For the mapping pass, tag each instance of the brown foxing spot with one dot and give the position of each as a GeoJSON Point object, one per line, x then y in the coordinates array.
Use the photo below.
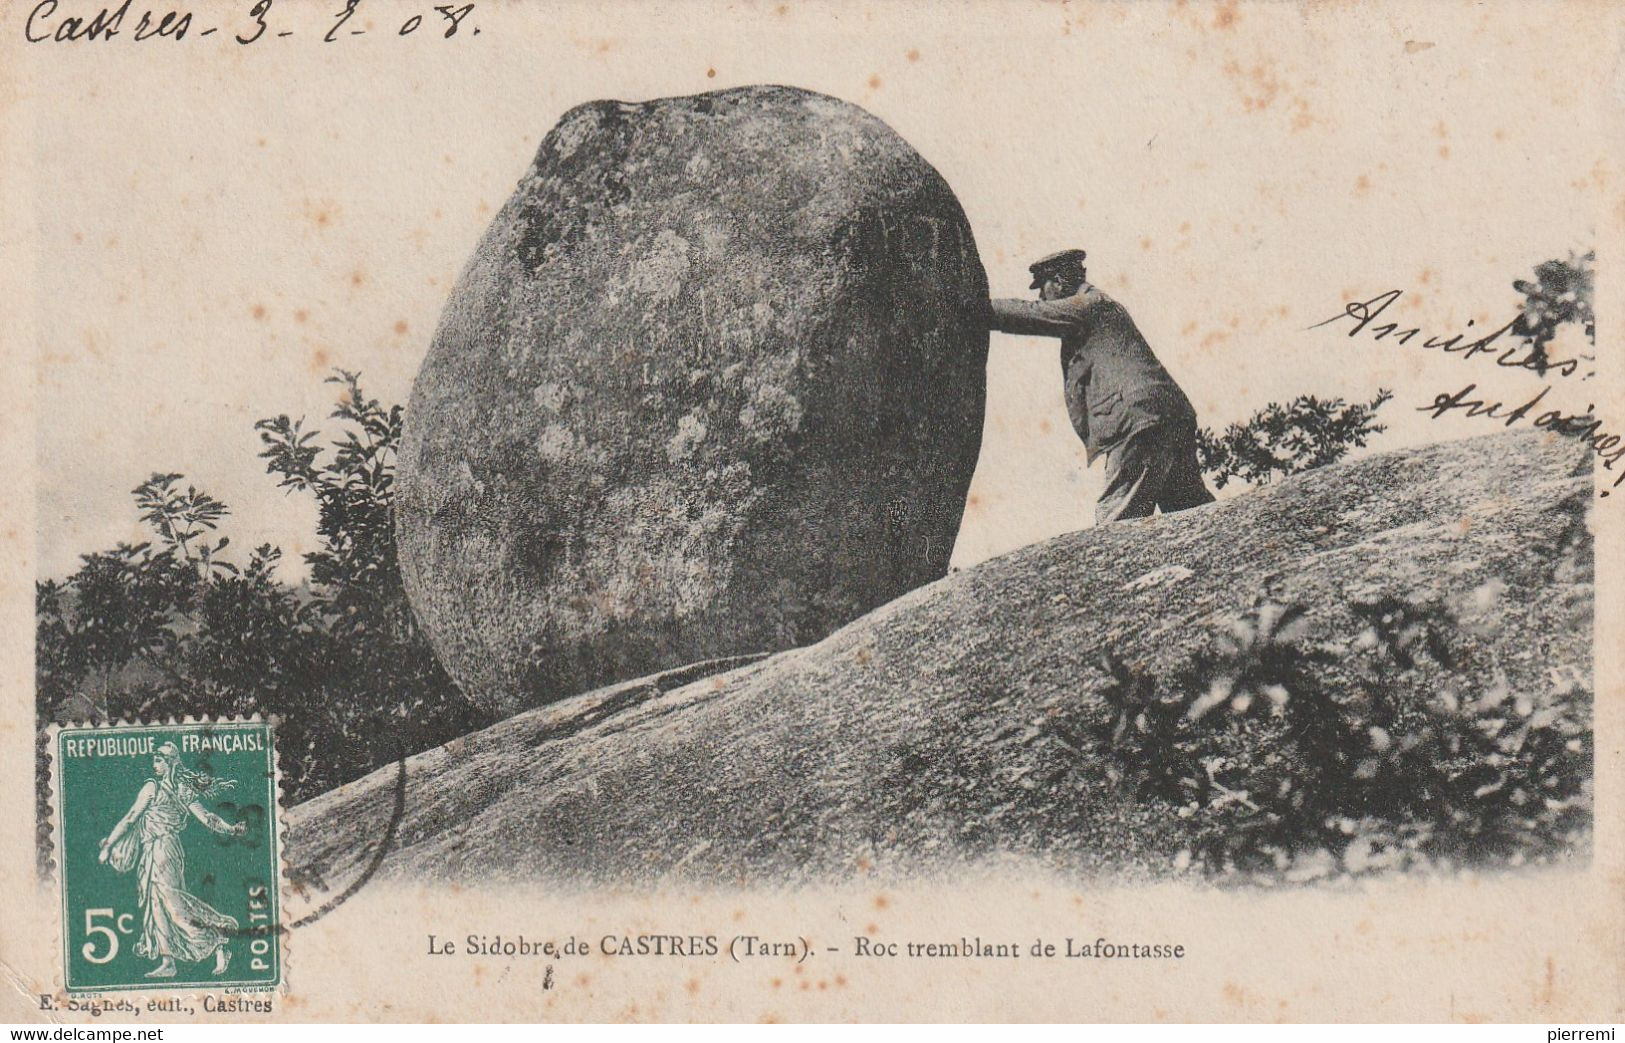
{"type": "Point", "coordinates": [1227, 16]}
{"type": "Point", "coordinates": [1417, 46]}
{"type": "Point", "coordinates": [400, 327]}
{"type": "Point", "coordinates": [710, 74]}
{"type": "Point", "coordinates": [870, 928]}
{"type": "Point", "coordinates": [258, 311]}
{"type": "Point", "coordinates": [1444, 151]}
{"type": "Point", "coordinates": [874, 82]}
{"type": "Point", "coordinates": [357, 277]}
{"type": "Point", "coordinates": [319, 360]}
{"type": "Point", "coordinates": [693, 986]}
{"type": "Point", "coordinates": [913, 55]}
{"type": "Point", "coordinates": [301, 315]}
{"type": "Point", "coordinates": [778, 983]}
{"type": "Point", "coordinates": [1362, 185]}
{"type": "Point", "coordinates": [881, 901]}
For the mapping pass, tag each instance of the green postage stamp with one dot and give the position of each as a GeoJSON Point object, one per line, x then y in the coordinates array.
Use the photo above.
{"type": "Point", "coordinates": [167, 856]}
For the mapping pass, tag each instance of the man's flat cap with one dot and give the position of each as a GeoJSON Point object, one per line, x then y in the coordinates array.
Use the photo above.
{"type": "Point", "coordinates": [1060, 259]}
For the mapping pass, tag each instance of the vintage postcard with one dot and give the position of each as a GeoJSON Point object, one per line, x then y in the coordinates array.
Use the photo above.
{"type": "Point", "coordinates": [812, 511]}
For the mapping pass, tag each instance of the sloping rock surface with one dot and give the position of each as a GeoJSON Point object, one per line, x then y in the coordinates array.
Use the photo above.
{"type": "Point", "coordinates": [712, 384]}
{"type": "Point", "coordinates": [902, 743]}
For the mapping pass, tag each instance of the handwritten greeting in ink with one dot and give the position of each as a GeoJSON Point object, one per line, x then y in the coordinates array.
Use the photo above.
{"type": "Point", "coordinates": [1491, 348]}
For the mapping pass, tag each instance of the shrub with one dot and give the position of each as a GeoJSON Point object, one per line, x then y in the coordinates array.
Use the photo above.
{"type": "Point", "coordinates": [1305, 433]}
{"type": "Point", "coordinates": [1563, 292]}
{"type": "Point", "coordinates": [1284, 773]}
{"type": "Point", "coordinates": [172, 627]}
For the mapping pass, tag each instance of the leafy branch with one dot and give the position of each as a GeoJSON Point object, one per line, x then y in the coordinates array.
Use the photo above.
{"type": "Point", "coordinates": [1305, 433]}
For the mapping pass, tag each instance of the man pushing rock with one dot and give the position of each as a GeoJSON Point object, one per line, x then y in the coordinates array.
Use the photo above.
{"type": "Point", "coordinates": [1121, 401]}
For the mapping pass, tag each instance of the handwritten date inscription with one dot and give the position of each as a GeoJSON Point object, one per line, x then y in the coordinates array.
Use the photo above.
{"type": "Point", "coordinates": [51, 22]}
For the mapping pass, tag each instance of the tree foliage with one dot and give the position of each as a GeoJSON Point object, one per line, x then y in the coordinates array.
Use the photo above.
{"type": "Point", "coordinates": [171, 627]}
{"type": "Point", "coordinates": [1305, 433]}
{"type": "Point", "coordinates": [1563, 293]}
{"type": "Point", "coordinates": [1428, 759]}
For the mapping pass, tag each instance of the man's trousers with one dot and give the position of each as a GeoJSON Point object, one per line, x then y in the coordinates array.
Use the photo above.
{"type": "Point", "coordinates": [1154, 467]}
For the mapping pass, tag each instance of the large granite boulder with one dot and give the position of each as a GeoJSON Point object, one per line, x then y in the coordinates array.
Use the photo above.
{"type": "Point", "coordinates": [712, 384]}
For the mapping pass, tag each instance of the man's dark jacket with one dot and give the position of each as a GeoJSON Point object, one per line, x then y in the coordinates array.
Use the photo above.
{"type": "Point", "coordinates": [1114, 384]}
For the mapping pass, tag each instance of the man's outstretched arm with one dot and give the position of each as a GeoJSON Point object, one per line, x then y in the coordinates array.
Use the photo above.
{"type": "Point", "coordinates": [1038, 318]}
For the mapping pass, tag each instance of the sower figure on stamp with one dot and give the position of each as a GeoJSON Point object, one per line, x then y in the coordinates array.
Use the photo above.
{"type": "Point", "coordinates": [1121, 401]}
{"type": "Point", "coordinates": [175, 924]}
